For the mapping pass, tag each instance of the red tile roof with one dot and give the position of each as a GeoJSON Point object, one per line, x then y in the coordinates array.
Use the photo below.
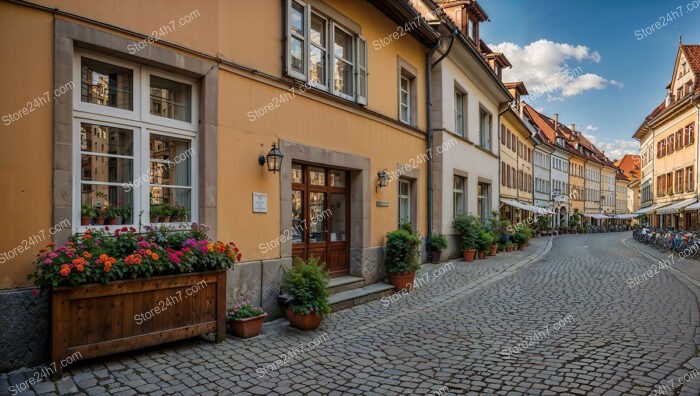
{"type": "Point", "coordinates": [692, 54]}
{"type": "Point", "coordinates": [630, 165]}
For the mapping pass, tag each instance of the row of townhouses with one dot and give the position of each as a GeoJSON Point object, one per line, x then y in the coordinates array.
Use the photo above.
{"type": "Point", "coordinates": [668, 188]}
{"type": "Point", "coordinates": [329, 125]}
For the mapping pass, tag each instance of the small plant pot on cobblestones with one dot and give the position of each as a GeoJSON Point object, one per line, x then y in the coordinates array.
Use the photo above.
{"type": "Point", "coordinates": [469, 254]}
{"type": "Point", "coordinates": [401, 258]}
{"type": "Point", "coordinates": [482, 255]}
{"type": "Point", "coordinates": [401, 280]}
{"type": "Point", "coordinates": [494, 250]}
{"type": "Point", "coordinates": [245, 320]}
{"type": "Point", "coordinates": [301, 321]}
{"type": "Point", "coordinates": [304, 293]}
{"type": "Point", "coordinates": [438, 243]}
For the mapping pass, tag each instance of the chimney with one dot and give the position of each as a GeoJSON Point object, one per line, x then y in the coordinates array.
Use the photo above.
{"type": "Point", "coordinates": [573, 127]}
{"type": "Point", "coordinates": [520, 107]}
{"type": "Point", "coordinates": [556, 121]}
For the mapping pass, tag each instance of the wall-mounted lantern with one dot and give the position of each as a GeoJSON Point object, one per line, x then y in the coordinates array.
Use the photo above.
{"type": "Point", "coordinates": [273, 159]}
{"type": "Point", "coordinates": [382, 179]}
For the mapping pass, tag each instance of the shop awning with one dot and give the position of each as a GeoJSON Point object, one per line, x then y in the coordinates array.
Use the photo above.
{"type": "Point", "coordinates": [625, 216]}
{"type": "Point", "coordinates": [694, 206]}
{"type": "Point", "coordinates": [524, 206]}
{"type": "Point", "coordinates": [597, 216]}
{"type": "Point", "coordinates": [650, 208]}
{"type": "Point", "coordinates": [676, 206]}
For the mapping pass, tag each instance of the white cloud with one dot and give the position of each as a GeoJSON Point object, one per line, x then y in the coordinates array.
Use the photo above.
{"type": "Point", "coordinates": [590, 128]}
{"type": "Point", "coordinates": [615, 148]}
{"type": "Point", "coordinates": [544, 68]}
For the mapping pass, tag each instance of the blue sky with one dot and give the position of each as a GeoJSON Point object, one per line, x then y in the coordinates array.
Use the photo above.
{"type": "Point", "coordinates": [592, 61]}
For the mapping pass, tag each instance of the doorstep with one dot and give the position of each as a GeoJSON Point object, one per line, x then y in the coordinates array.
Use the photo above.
{"type": "Point", "coordinates": [350, 298]}
{"type": "Point", "coordinates": [344, 283]}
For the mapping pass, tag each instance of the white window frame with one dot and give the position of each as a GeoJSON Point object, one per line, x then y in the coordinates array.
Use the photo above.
{"type": "Point", "coordinates": [485, 139]}
{"type": "Point", "coordinates": [325, 51]}
{"type": "Point", "coordinates": [361, 70]}
{"type": "Point", "coordinates": [146, 74]}
{"type": "Point", "coordinates": [79, 105]}
{"type": "Point", "coordinates": [407, 197]}
{"type": "Point", "coordinates": [351, 62]}
{"type": "Point", "coordinates": [142, 127]}
{"type": "Point", "coordinates": [459, 111]}
{"type": "Point", "coordinates": [463, 191]}
{"type": "Point", "coordinates": [407, 105]}
{"type": "Point", "coordinates": [305, 40]}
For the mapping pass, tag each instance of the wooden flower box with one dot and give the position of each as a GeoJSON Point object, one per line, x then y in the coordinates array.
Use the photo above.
{"type": "Point", "coordinates": [103, 319]}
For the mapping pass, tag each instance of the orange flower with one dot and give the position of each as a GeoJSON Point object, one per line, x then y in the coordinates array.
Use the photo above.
{"type": "Point", "coordinates": [87, 255]}
{"type": "Point", "coordinates": [154, 256]}
{"type": "Point", "coordinates": [65, 270]}
{"type": "Point", "coordinates": [78, 261]}
{"type": "Point", "coordinates": [104, 257]}
{"type": "Point", "coordinates": [111, 260]}
{"type": "Point", "coordinates": [52, 244]}
{"type": "Point", "coordinates": [80, 268]}
{"type": "Point", "coordinates": [148, 252]}
{"type": "Point", "coordinates": [87, 236]}
{"type": "Point", "coordinates": [42, 250]}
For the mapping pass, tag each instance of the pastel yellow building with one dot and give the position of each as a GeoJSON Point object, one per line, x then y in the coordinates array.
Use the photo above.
{"type": "Point", "coordinates": [196, 96]}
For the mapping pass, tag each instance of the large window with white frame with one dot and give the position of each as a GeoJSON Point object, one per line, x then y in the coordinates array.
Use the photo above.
{"type": "Point", "coordinates": [459, 112]}
{"type": "Point", "coordinates": [405, 99]}
{"type": "Point", "coordinates": [326, 54]}
{"type": "Point", "coordinates": [404, 201]}
{"type": "Point", "coordinates": [459, 195]}
{"type": "Point", "coordinates": [135, 164]}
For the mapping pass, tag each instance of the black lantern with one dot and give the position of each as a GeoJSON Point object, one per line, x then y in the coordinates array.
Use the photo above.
{"type": "Point", "coordinates": [382, 179]}
{"type": "Point", "coordinates": [273, 159]}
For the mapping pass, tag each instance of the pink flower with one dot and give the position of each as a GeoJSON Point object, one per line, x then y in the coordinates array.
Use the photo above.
{"type": "Point", "coordinates": [47, 261]}
{"type": "Point", "coordinates": [106, 228]}
{"type": "Point", "coordinates": [35, 292]}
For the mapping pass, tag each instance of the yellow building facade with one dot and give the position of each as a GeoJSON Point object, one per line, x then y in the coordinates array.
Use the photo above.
{"type": "Point", "coordinates": [195, 96]}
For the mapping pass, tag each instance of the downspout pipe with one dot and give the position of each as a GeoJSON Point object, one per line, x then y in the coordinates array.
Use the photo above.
{"type": "Point", "coordinates": [429, 65]}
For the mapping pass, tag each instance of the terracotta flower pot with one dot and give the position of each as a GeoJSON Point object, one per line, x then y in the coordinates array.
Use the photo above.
{"type": "Point", "coordinates": [154, 219]}
{"type": "Point", "coordinates": [494, 250]}
{"type": "Point", "coordinates": [303, 321]}
{"type": "Point", "coordinates": [112, 221]}
{"type": "Point", "coordinates": [248, 327]}
{"type": "Point", "coordinates": [85, 220]}
{"type": "Point", "coordinates": [521, 246]}
{"type": "Point", "coordinates": [469, 254]}
{"type": "Point", "coordinates": [436, 256]}
{"type": "Point", "coordinates": [165, 219]}
{"type": "Point", "coordinates": [100, 220]}
{"type": "Point", "coordinates": [401, 280]}
{"type": "Point", "coordinates": [482, 255]}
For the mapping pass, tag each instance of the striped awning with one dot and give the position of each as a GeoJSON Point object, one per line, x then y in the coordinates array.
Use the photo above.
{"type": "Point", "coordinates": [676, 206]}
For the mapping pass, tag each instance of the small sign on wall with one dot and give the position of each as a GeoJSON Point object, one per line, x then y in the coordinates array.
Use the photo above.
{"type": "Point", "coordinates": [259, 203]}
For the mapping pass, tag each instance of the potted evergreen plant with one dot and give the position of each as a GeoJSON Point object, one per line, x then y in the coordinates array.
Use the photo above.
{"type": "Point", "coordinates": [401, 258]}
{"type": "Point", "coordinates": [156, 213]}
{"type": "Point", "coordinates": [485, 241]}
{"type": "Point", "coordinates": [245, 320]}
{"type": "Point", "coordinates": [468, 227]}
{"type": "Point", "coordinates": [438, 243]}
{"type": "Point", "coordinates": [111, 213]}
{"type": "Point", "coordinates": [304, 293]}
{"type": "Point", "coordinates": [87, 212]}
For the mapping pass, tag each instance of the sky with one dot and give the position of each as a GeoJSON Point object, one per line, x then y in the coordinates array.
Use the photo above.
{"type": "Point", "coordinates": [601, 64]}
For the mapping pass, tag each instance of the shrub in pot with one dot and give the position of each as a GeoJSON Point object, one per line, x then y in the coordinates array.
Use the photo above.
{"type": "Point", "coordinates": [304, 293]}
{"type": "Point", "coordinates": [486, 239]}
{"type": "Point", "coordinates": [509, 246]}
{"type": "Point", "coordinates": [245, 320]}
{"type": "Point", "coordinates": [111, 213]}
{"type": "Point", "coordinates": [438, 243]}
{"type": "Point", "coordinates": [166, 213]}
{"type": "Point", "coordinates": [156, 213]}
{"type": "Point", "coordinates": [125, 213]}
{"type": "Point", "coordinates": [100, 213]}
{"type": "Point", "coordinates": [401, 258]}
{"type": "Point", "coordinates": [469, 228]}
{"type": "Point", "coordinates": [87, 212]}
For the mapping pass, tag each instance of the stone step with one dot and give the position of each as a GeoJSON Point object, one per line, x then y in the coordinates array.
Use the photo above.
{"type": "Point", "coordinates": [344, 283]}
{"type": "Point", "coordinates": [350, 298]}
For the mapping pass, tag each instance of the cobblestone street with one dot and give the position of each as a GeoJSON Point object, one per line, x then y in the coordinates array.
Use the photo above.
{"type": "Point", "coordinates": [557, 318]}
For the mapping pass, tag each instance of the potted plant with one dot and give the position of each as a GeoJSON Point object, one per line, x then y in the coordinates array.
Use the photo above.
{"type": "Point", "coordinates": [245, 320]}
{"type": "Point", "coordinates": [125, 213]}
{"type": "Point", "coordinates": [180, 213]}
{"type": "Point", "coordinates": [401, 258]}
{"type": "Point", "coordinates": [509, 246]}
{"type": "Point", "coordinates": [438, 243]}
{"type": "Point", "coordinates": [485, 241]}
{"type": "Point", "coordinates": [304, 293]}
{"type": "Point", "coordinates": [100, 213]}
{"type": "Point", "coordinates": [166, 213]}
{"type": "Point", "coordinates": [111, 213]}
{"type": "Point", "coordinates": [468, 227]}
{"type": "Point", "coordinates": [156, 213]}
{"type": "Point", "coordinates": [87, 212]}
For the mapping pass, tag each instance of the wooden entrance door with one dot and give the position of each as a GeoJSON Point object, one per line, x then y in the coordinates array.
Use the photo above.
{"type": "Point", "coordinates": [320, 213]}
